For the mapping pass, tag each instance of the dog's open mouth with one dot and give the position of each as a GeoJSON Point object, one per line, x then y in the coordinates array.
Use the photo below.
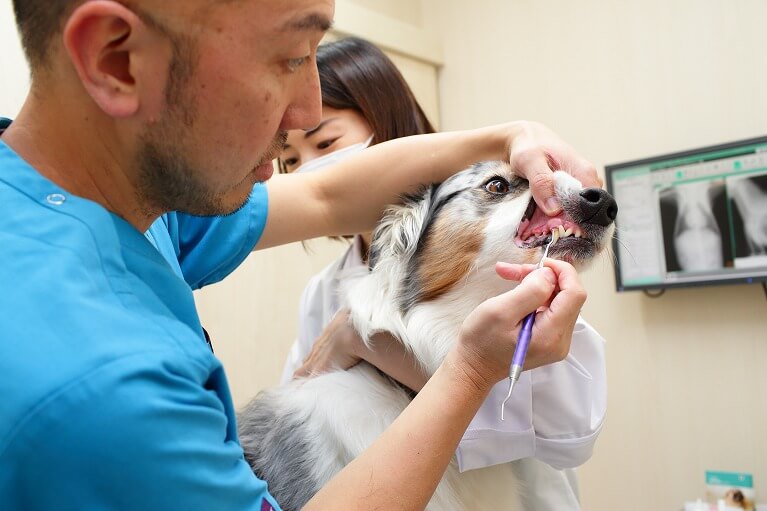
{"type": "Point", "coordinates": [536, 228]}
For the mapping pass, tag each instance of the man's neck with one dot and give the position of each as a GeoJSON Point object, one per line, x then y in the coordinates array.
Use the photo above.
{"type": "Point", "coordinates": [79, 153]}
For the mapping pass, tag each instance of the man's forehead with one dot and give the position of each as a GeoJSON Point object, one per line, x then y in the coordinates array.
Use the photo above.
{"type": "Point", "coordinates": [297, 15]}
{"type": "Point", "coordinates": [261, 15]}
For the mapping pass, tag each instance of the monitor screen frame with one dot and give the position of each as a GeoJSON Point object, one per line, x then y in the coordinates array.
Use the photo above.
{"type": "Point", "coordinates": [610, 171]}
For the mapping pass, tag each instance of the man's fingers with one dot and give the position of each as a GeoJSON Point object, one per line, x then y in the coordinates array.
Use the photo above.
{"type": "Point", "coordinates": [572, 294]}
{"type": "Point", "coordinates": [567, 275]}
{"type": "Point", "coordinates": [587, 174]}
{"type": "Point", "coordinates": [511, 271]}
{"type": "Point", "coordinates": [534, 166]}
{"type": "Point", "coordinates": [534, 291]}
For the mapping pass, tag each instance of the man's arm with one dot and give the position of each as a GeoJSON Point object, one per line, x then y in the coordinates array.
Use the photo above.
{"type": "Point", "coordinates": [350, 197]}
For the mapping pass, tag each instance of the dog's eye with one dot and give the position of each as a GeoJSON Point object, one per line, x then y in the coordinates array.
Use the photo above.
{"type": "Point", "coordinates": [497, 186]}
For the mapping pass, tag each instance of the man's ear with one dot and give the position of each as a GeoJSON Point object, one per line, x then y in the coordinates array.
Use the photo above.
{"type": "Point", "coordinates": [110, 48]}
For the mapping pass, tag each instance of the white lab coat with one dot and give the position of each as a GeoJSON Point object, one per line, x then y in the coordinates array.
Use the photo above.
{"type": "Point", "coordinates": [552, 419]}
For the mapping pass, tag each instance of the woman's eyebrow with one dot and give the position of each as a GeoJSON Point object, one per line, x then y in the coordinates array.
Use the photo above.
{"type": "Point", "coordinates": [309, 133]}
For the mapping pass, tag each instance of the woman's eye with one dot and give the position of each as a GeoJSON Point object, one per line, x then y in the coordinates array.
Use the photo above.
{"type": "Point", "coordinates": [290, 162]}
{"type": "Point", "coordinates": [326, 143]}
{"type": "Point", "coordinates": [295, 64]}
{"type": "Point", "coordinates": [497, 186]}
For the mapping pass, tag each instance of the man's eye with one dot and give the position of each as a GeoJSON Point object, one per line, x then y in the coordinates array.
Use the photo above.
{"type": "Point", "coordinates": [295, 64]}
{"type": "Point", "coordinates": [497, 186]}
{"type": "Point", "coordinates": [326, 143]}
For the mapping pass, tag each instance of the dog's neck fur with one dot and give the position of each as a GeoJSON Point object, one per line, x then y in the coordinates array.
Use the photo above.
{"type": "Point", "coordinates": [427, 329]}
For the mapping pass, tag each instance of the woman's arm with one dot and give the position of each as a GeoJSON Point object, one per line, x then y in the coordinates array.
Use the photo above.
{"type": "Point", "coordinates": [340, 347]}
{"type": "Point", "coordinates": [350, 197]}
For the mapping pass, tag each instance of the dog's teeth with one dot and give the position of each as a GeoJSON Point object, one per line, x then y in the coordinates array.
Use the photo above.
{"type": "Point", "coordinates": [562, 231]}
{"type": "Point", "coordinates": [577, 233]}
{"type": "Point", "coordinates": [568, 232]}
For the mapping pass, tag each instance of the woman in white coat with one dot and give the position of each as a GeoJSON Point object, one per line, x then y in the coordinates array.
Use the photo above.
{"type": "Point", "coordinates": [556, 412]}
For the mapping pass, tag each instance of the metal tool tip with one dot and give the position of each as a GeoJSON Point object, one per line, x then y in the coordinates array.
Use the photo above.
{"type": "Point", "coordinates": [512, 381]}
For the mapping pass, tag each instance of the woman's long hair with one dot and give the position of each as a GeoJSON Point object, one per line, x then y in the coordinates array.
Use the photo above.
{"type": "Point", "coordinates": [356, 74]}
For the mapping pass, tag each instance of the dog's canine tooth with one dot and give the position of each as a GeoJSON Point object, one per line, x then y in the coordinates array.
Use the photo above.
{"type": "Point", "coordinates": [568, 232]}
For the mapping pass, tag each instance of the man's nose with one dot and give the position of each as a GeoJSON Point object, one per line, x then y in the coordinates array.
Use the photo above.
{"type": "Point", "coordinates": [597, 206]}
{"type": "Point", "coordinates": [305, 111]}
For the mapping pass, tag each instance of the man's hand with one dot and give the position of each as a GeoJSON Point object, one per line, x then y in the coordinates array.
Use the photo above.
{"type": "Point", "coordinates": [535, 151]}
{"type": "Point", "coordinates": [488, 336]}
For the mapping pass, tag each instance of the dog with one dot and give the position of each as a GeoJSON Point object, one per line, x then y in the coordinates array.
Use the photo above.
{"type": "Point", "coordinates": [432, 262]}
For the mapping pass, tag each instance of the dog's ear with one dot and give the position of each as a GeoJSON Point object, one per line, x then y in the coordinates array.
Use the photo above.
{"type": "Point", "coordinates": [398, 233]}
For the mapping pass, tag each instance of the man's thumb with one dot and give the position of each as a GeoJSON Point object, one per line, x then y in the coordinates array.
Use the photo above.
{"type": "Point", "coordinates": [534, 291]}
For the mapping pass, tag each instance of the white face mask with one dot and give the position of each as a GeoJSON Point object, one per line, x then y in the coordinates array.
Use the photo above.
{"type": "Point", "coordinates": [331, 159]}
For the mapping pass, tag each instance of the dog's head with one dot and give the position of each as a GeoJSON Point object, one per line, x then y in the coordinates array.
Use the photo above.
{"type": "Point", "coordinates": [434, 256]}
{"type": "Point", "coordinates": [480, 216]}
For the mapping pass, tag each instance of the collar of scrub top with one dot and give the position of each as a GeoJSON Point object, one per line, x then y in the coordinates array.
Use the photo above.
{"type": "Point", "coordinates": [207, 339]}
{"type": "Point", "coordinates": [4, 123]}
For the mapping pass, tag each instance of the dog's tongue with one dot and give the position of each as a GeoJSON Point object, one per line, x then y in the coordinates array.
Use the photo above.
{"type": "Point", "coordinates": [540, 223]}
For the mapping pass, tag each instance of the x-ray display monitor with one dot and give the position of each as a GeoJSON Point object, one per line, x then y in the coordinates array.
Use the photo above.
{"type": "Point", "coordinates": [691, 218]}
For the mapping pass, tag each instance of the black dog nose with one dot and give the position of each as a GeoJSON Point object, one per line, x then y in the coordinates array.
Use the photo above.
{"type": "Point", "coordinates": [598, 207]}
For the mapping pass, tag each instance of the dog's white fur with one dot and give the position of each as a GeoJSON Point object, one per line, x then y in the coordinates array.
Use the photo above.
{"type": "Point", "coordinates": [339, 414]}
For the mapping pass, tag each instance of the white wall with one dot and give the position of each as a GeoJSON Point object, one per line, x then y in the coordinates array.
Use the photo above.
{"type": "Point", "coordinates": [407, 11]}
{"type": "Point", "coordinates": [621, 80]}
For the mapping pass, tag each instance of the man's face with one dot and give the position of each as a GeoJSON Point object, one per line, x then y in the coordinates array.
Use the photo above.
{"type": "Point", "coordinates": [245, 75]}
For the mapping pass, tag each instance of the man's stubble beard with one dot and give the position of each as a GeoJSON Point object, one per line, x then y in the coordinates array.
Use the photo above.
{"type": "Point", "coordinates": [168, 181]}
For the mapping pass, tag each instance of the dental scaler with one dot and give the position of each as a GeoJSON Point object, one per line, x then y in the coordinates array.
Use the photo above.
{"type": "Point", "coordinates": [523, 341]}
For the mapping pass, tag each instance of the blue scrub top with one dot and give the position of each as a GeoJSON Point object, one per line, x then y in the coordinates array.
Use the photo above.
{"type": "Point", "coordinates": [109, 396]}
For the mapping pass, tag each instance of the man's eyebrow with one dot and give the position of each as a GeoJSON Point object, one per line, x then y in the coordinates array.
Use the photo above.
{"type": "Point", "coordinates": [310, 22]}
{"type": "Point", "coordinates": [309, 133]}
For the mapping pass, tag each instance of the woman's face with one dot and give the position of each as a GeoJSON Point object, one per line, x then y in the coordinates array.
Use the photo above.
{"type": "Point", "coordinates": [337, 129]}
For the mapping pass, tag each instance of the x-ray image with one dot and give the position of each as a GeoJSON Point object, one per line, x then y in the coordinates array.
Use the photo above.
{"type": "Point", "coordinates": [696, 231]}
{"type": "Point", "coordinates": [749, 211]}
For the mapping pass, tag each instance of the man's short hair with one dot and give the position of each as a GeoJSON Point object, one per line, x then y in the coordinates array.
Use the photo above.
{"type": "Point", "coordinates": [39, 21]}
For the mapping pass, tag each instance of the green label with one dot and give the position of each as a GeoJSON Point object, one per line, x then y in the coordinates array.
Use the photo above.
{"type": "Point", "coordinates": [630, 172]}
{"type": "Point", "coordinates": [730, 479]}
{"type": "Point", "coordinates": [642, 281]}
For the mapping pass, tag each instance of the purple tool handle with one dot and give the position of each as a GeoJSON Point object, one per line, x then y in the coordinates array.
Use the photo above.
{"type": "Point", "coordinates": [524, 340]}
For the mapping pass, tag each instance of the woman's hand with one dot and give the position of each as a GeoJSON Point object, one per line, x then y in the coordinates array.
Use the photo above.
{"type": "Point", "coordinates": [340, 347]}
{"type": "Point", "coordinates": [535, 152]}
{"type": "Point", "coordinates": [488, 336]}
{"type": "Point", "coordinates": [337, 347]}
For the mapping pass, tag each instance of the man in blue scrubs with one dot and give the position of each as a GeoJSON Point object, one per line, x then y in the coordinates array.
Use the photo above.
{"type": "Point", "coordinates": [111, 398]}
